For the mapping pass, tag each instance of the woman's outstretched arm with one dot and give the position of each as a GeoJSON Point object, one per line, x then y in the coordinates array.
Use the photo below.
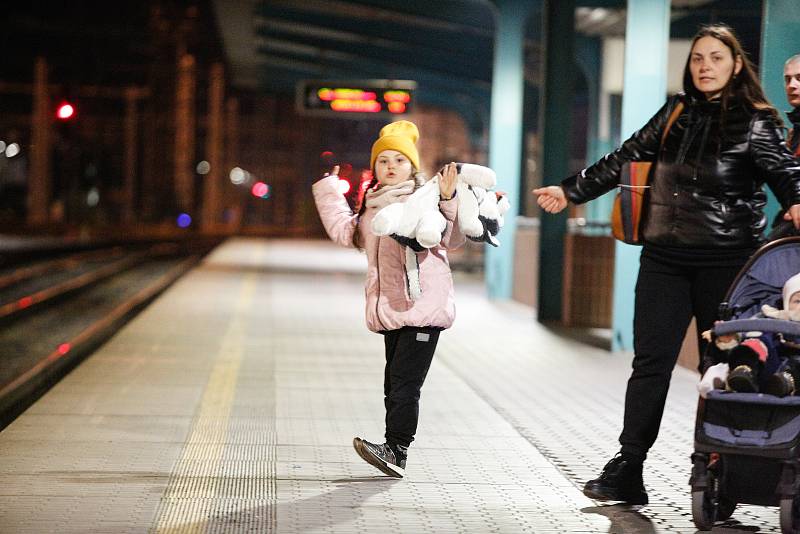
{"type": "Point", "coordinates": [603, 176]}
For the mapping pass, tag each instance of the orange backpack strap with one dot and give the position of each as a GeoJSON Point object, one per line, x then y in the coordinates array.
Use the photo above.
{"type": "Point", "coordinates": [672, 118]}
{"type": "Point", "coordinates": [626, 213]}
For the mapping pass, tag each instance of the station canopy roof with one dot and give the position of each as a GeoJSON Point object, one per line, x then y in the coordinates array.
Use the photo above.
{"type": "Point", "coordinates": [445, 46]}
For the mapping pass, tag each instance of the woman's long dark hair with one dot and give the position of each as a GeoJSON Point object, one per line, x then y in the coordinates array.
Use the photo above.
{"type": "Point", "coordinates": [743, 87]}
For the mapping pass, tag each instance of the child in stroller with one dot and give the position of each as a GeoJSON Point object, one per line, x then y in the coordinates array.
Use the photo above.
{"type": "Point", "coordinates": [768, 362]}
{"type": "Point", "coordinates": [747, 442]}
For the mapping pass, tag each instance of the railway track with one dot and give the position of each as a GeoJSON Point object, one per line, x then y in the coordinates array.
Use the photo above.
{"type": "Point", "coordinates": [56, 311]}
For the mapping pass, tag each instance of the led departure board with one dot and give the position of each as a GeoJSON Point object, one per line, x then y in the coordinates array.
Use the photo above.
{"type": "Point", "coordinates": [355, 99]}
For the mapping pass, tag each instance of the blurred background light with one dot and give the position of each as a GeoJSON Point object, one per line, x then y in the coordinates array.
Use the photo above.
{"type": "Point", "coordinates": [12, 150]}
{"type": "Point", "coordinates": [366, 178]}
{"type": "Point", "coordinates": [93, 197]}
{"type": "Point", "coordinates": [345, 170]}
{"type": "Point", "coordinates": [238, 176]}
{"type": "Point", "coordinates": [259, 189]}
{"type": "Point", "coordinates": [203, 167]}
{"type": "Point", "coordinates": [65, 111]}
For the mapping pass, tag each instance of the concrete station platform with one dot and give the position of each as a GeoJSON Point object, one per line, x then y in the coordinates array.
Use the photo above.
{"type": "Point", "coordinates": [229, 405]}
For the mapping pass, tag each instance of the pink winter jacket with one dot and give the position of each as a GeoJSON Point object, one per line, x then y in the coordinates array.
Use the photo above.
{"type": "Point", "coordinates": [389, 306]}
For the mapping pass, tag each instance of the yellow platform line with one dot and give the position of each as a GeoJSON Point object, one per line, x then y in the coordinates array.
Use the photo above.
{"type": "Point", "coordinates": [189, 500]}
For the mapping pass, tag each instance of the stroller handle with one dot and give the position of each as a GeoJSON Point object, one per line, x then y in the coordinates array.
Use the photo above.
{"type": "Point", "coordinates": [780, 326]}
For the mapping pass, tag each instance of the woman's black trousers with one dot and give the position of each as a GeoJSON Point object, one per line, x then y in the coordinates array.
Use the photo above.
{"type": "Point", "coordinates": [667, 296]}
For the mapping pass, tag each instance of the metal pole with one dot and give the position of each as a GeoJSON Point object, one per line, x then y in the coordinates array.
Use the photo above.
{"type": "Point", "coordinates": [505, 135]}
{"type": "Point", "coordinates": [556, 126]}
{"type": "Point", "coordinates": [214, 148]}
{"type": "Point", "coordinates": [185, 133]}
{"type": "Point", "coordinates": [232, 160]}
{"type": "Point", "coordinates": [39, 187]}
{"type": "Point", "coordinates": [130, 147]}
{"type": "Point", "coordinates": [644, 91]}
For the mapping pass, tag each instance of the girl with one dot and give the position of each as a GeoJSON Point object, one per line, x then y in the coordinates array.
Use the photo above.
{"type": "Point", "coordinates": [704, 219]}
{"type": "Point", "coordinates": [409, 323]}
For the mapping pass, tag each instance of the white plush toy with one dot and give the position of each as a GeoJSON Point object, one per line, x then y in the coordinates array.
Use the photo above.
{"type": "Point", "coordinates": [418, 223]}
{"type": "Point", "coordinates": [417, 219]}
{"type": "Point", "coordinates": [480, 210]}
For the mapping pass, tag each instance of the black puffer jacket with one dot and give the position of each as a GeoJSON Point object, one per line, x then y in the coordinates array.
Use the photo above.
{"type": "Point", "coordinates": [706, 188]}
{"type": "Point", "coordinates": [793, 139]}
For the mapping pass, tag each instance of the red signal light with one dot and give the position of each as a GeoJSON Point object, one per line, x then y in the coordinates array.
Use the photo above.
{"type": "Point", "coordinates": [65, 111]}
{"type": "Point", "coordinates": [259, 189]}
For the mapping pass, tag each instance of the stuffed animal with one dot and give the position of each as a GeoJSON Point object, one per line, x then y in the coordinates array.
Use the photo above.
{"type": "Point", "coordinates": [418, 223]}
{"type": "Point", "coordinates": [415, 223]}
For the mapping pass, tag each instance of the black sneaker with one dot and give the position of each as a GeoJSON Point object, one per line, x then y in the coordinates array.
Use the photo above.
{"type": "Point", "coordinates": [621, 480]}
{"type": "Point", "coordinates": [742, 380]}
{"type": "Point", "coordinates": [384, 457]}
{"type": "Point", "coordinates": [780, 384]}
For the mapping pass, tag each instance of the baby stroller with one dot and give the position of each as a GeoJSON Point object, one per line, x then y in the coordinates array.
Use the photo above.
{"type": "Point", "coordinates": [747, 445]}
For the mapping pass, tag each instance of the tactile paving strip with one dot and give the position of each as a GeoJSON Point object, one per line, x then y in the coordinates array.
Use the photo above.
{"type": "Point", "coordinates": [207, 491]}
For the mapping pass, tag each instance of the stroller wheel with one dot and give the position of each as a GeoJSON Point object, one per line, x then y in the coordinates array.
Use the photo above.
{"type": "Point", "coordinates": [708, 506]}
{"type": "Point", "coordinates": [725, 508]}
{"type": "Point", "coordinates": [704, 510]}
{"type": "Point", "coordinates": [790, 515]}
{"type": "Point", "coordinates": [709, 502]}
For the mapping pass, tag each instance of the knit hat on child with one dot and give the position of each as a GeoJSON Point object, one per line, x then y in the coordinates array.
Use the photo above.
{"type": "Point", "coordinates": [400, 136]}
{"type": "Point", "coordinates": [791, 287]}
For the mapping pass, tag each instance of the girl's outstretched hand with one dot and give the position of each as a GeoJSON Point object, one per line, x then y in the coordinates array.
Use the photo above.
{"type": "Point", "coordinates": [447, 181]}
{"type": "Point", "coordinates": [334, 171]}
{"type": "Point", "coordinates": [551, 198]}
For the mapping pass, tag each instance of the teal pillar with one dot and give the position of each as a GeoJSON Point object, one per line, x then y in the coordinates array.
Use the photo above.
{"type": "Point", "coordinates": [780, 39]}
{"type": "Point", "coordinates": [644, 91]}
{"type": "Point", "coordinates": [601, 206]}
{"type": "Point", "coordinates": [505, 135]}
{"type": "Point", "coordinates": [603, 144]}
{"type": "Point", "coordinates": [559, 28]}
{"type": "Point", "coordinates": [589, 54]}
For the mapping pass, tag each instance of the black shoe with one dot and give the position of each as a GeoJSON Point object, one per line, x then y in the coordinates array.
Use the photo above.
{"type": "Point", "coordinates": [780, 384]}
{"type": "Point", "coordinates": [621, 480]}
{"type": "Point", "coordinates": [392, 462]}
{"type": "Point", "coordinates": [742, 380]}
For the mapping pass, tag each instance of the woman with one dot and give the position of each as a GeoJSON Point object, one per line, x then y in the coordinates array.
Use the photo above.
{"type": "Point", "coordinates": [704, 219]}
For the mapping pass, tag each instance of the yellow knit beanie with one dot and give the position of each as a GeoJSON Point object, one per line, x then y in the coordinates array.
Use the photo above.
{"type": "Point", "coordinates": [401, 136]}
